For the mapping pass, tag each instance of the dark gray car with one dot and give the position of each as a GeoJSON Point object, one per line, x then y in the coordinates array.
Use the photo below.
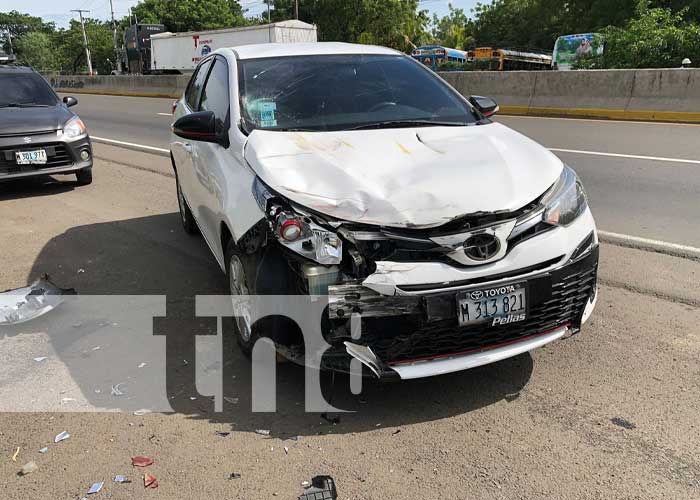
{"type": "Point", "coordinates": [39, 135]}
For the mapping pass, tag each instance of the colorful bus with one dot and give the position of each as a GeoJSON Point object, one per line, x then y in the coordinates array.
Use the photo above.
{"type": "Point", "coordinates": [488, 58]}
{"type": "Point", "coordinates": [570, 48]}
{"type": "Point", "coordinates": [435, 55]}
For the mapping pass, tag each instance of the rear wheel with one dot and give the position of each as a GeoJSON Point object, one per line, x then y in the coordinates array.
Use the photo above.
{"type": "Point", "coordinates": [84, 176]}
{"type": "Point", "coordinates": [188, 222]}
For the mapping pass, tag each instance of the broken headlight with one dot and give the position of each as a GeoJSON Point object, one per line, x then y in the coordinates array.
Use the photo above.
{"type": "Point", "coordinates": [566, 200]}
{"type": "Point", "coordinates": [297, 231]}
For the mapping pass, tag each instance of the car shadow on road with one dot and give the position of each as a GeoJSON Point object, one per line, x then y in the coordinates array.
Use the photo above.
{"type": "Point", "coordinates": [152, 256]}
{"type": "Point", "coordinates": [31, 187]}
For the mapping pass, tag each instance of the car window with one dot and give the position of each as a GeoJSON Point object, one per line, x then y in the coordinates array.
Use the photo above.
{"type": "Point", "coordinates": [25, 88]}
{"type": "Point", "coordinates": [215, 96]}
{"type": "Point", "coordinates": [336, 92]}
{"type": "Point", "coordinates": [195, 86]}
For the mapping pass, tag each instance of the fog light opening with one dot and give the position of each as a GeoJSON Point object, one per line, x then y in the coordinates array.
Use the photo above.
{"type": "Point", "coordinates": [85, 155]}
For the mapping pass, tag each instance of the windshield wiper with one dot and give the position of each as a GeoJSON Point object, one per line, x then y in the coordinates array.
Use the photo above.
{"type": "Point", "coordinates": [408, 123]}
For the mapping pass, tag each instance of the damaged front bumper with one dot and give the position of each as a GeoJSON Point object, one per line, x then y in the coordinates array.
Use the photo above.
{"type": "Point", "coordinates": [28, 303]}
{"type": "Point", "coordinates": [414, 336]}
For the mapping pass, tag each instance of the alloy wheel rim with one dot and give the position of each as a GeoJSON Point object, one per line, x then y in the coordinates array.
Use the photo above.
{"type": "Point", "coordinates": [239, 299]}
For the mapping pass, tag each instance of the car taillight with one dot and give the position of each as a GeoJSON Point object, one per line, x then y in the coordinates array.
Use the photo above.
{"type": "Point", "coordinates": [174, 106]}
{"type": "Point", "coordinates": [290, 230]}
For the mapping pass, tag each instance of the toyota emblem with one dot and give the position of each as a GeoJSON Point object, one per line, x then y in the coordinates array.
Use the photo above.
{"type": "Point", "coordinates": [482, 246]}
{"type": "Point", "coordinates": [478, 295]}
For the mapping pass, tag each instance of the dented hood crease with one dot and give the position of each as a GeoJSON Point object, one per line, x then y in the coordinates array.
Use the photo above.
{"type": "Point", "coordinates": [410, 177]}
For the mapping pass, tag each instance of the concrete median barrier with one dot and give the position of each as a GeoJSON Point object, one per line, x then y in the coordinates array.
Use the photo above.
{"type": "Point", "coordinates": [126, 85]}
{"type": "Point", "coordinates": [646, 94]}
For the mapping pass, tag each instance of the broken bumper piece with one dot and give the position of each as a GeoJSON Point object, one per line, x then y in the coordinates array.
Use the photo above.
{"type": "Point", "coordinates": [442, 365]}
{"type": "Point", "coordinates": [28, 303]}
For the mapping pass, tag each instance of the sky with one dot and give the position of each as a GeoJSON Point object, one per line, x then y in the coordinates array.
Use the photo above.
{"type": "Point", "coordinates": [59, 11]}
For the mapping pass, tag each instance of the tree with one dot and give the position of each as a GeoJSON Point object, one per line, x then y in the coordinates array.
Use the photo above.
{"type": "Point", "coordinates": [393, 23]}
{"type": "Point", "coordinates": [37, 49]}
{"type": "Point", "coordinates": [655, 38]}
{"type": "Point", "coordinates": [455, 30]}
{"type": "Point", "coordinates": [14, 24]}
{"type": "Point", "coordinates": [190, 15]}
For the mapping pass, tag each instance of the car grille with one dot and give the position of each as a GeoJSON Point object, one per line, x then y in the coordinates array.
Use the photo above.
{"type": "Point", "coordinates": [57, 155]}
{"type": "Point", "coordinates": [557, 298]}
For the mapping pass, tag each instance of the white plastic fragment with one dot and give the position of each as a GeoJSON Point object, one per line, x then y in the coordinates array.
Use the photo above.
{"type": "Point", "coordinates": [44, 450]}
{"type": "Point", "coordinates": [263, 432]}
{"type": "Point", "coordinates": [61, 437]}
{"type": "Point", "coordinates": [27, 303]}
{"type": "Point", "coordinates": [40, 359]}
{"type": "Point", "coordinates": [28, 468]}
{"type": "Point", "coordinates": [96, 487]}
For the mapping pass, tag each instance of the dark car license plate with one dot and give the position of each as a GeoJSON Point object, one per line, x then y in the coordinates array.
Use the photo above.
{"type": "Point", "coordinates": [500, 305]}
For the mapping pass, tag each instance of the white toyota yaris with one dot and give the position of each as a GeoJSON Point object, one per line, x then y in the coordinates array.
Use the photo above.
{"type": "Point", "coordinates": [354, 173]}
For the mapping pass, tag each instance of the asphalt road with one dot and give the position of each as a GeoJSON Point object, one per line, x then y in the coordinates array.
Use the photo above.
{"type": "Point", "coordinates": [653, 197]}
{"type": "Point", "coordinates": [611, 413]}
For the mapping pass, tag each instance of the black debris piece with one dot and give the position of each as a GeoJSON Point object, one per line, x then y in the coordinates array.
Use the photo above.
{"type": "Point", "coordinates": [322, 488]}
{"type": "Point", "coordinates": [625, 424]}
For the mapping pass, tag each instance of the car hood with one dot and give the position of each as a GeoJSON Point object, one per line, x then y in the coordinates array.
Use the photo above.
{"type": "Point", "coordinates": [16, 121]}
{"type": "Point", "coordinates": [409, 177]}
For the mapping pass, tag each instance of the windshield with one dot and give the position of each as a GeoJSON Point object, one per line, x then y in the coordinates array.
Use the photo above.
{"type": "Point", "coordinates": [341, 92]}
{"type": "Point", "coordinates": [25, 89]}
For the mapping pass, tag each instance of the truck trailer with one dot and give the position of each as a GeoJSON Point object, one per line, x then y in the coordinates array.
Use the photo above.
{"type": "Point", "coordinates": [183, 51]}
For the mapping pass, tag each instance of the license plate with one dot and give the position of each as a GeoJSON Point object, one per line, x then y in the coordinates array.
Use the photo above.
{"type": "Point", "coordinates": [500, 305]}
{"type": "Point", "coordinates": [31, 157]}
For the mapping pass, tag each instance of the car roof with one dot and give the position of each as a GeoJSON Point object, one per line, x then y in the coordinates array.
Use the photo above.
{"type": "Point", "coordinates": [262, 50]}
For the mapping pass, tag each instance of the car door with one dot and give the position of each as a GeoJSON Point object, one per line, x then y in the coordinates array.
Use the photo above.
{"type": "Point", "coordinates": [185, 151]}
{"type": "Point", "coordinates": [214, 162]}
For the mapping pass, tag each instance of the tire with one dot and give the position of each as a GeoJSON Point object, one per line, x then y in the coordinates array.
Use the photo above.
{"type": "Point", "coordinates": [241, 281]}
{"type": "Point", "coordinates": [186, 217]}
{"type": "Point", "coordinates": [262, 273]}
{"type": "Point", "coordinates": [84, 176]}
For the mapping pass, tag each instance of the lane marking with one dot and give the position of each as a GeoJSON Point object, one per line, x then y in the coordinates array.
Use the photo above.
{"type": "Point", "coordinates": [165, 114]}
{"type": "Point", "coordinates": [131, 145]}
{"type": "Point", "coordinates": [647, 243]}
{"type": "Point", "coordinates": [618, 155]}
{"type": "Point", "coordinates": [599, 120]}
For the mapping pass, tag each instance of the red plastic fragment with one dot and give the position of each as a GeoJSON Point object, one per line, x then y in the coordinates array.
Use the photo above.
{"type": "Point", "coordinates": [149, 481]}
{"type": "Point", "coordinates": [141, 461]}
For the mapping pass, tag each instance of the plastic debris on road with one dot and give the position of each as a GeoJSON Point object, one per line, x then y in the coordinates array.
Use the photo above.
{"type": "Point", "coordinates": [43, 450]}
{"type": "Point", "coordinates": [234, 475]}
{"type": "Point", "coordinates": [321, 488]}
{"type": "Point", "coordinates": [95, 488]}
{"type": "Point", "coordinates": [142, 365]}
{"type": "Point", "coordinates": [140, 461]}
{"type": "Point", "coordinates": [142, 412]}
{"type": "Point", "coordinates": [116, 389]}
{"type": "Point", "coordinates": [14, 457]}
{"type": "Point", "coordinates": [233, 401]}
{"type": "Point", "coordinates": [40, 359]}
{"type": "Point", "coordinates": [61, 437]}
{"type": "Point", "coordinates": [27, 303]}
{"type": "Point", "coordinates": [263, 432]}
{"type": "Point", "coordinates": [222, 434]}
{"type": "Point", "coordinates": [149, 481]}
{"type": "Point", "coordinates": [121, 479]}
{"type": "Point", "coordinates": [28, 468]}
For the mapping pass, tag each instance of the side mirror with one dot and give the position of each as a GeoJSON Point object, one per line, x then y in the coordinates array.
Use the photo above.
{"type": "Point", "coordinates": [201, 126]}
{"type": "Point", "coordinates": [486, 106]}
{"type": "Point", "coordinates": [70, 101]}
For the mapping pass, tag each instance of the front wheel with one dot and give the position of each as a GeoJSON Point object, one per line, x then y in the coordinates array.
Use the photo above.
{"type": "Point", "coordinates": [84, 176]}
{"type": "Point", "coordinates": [241, 286]}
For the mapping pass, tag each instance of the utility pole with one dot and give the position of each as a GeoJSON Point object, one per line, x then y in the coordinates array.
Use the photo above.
{"type": "Point", "coordinates": [269, 22]}
{"type": "Point", "coordinates": [116, 49]}
{"type": "Point", "coordinates": [296, 9]}
{"type": "Point", "coordinates": [87, 48]}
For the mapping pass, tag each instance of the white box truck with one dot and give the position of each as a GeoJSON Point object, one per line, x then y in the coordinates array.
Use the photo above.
{"type": "Point", "coordinates": [182, 52]}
